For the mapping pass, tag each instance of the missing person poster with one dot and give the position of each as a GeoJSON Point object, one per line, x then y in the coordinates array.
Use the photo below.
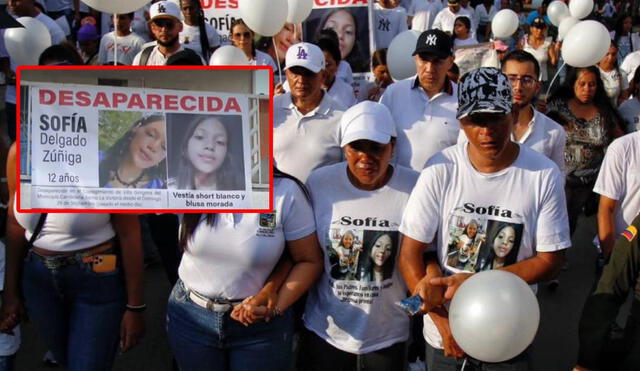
{"type": "Point", "coordinates": [471, 57]}
{"type": "Point", "coordinates": [99, 147]}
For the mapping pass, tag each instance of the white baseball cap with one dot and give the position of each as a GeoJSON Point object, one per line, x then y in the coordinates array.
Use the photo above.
{"type": "Point", "coordinates": [305, 55]}
{"type": "Point", "coordinates": [367, 120]}
{"type": "Point", "coordinates": [164, 9]}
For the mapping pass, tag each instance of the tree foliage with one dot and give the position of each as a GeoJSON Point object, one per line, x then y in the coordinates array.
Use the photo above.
{"type": "Point", "coordinates": [113, 125]}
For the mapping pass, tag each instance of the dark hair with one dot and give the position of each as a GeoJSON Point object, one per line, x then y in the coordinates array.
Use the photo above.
{"type": "Point", "coordinates": [379, 58]}
{"type": "Point", "coordinates": [190, 221]}
{"type": "Point", "coordinates": [466, 228]}
{"type": "Point", "coordinates": [185, 57]}
{"type": "Point", "coordinates": [327, 40]}
{"type": "Point", "coordinates": [486, 260]}
{"type": "Point", "coordinates": [114, 155]}
{"type": "Point", "coordinates": [365, 263]}
{"type": "Point", "coordinates": [355, 57]}
{"type": "Point", "coordinates": [522, 56]}
{"type": "Point", "coordinates": [204, 39]}
{"type": "Point", "coordinates": [239, 21]}
{"type": "Point", "coordinates": [60, 53]}
{"type": "Point", "coordinates": [228, 177]}
{"type": "Point", "coordinates": [350, 232]}
{"type": "Point", "coordinates": [467, 23]}
{"type": "Point", "coordinates": [130, 15]}
{"type": "Point", "coordinates": [565, 92]}
{"type": "Point", "coordinates": [454, 69]}
{"type": "Point", "coordinates": [619, 26]}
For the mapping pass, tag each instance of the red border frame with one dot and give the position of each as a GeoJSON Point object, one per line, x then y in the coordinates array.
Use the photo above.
{"type": "Point", "coordinates": [139, 211]}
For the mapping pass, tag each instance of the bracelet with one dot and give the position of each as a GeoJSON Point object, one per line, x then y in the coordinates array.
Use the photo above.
{"type": "Point", "coordinates": [276, 312]}
{"type": "Point", "coordinates": [136, 308]}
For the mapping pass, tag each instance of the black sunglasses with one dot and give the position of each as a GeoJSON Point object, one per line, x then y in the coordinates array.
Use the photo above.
{"type": "Point", "coordinates": [164, 23]}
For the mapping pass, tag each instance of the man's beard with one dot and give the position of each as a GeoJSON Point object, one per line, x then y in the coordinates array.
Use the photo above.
{"type": "Point", "coordinates": [169, 43]}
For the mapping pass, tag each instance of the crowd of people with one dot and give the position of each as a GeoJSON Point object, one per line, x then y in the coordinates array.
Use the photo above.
{"type": "Point", "coordinates": [383, 189]}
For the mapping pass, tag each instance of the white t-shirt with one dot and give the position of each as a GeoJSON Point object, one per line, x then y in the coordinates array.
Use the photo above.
{"type": "Point", "coordinates": [630, 111]}
{"type": "Point", "coordinates": [425, 126]}
{"type": "Point", "coordinates": [57, 36]}
{"type": "Point", "coordinates": [139, 23]}
{"type": "Point", "coordinates": [302, 143]}
{"type": "Point", "coordinates": [446, 18]}
{"type": "Point", "coordinates": [345, 72]}
{"type": "Point", "coordinates": [629, 65]}
{"type": "Point", "coordinates": [342, 93]}
{"type": "Point", "coordinates": [352, 306]}
{"type": "Point", "coordinates": [9, 344]}
{"type": "Point", "coordinates": [65, 232]}
{"type": "Point", "coordinates": [541, 54]}
{"type": "Point", "coordinates": [424, 12]}
{"type": "Point", "coordinates": [58, 5]}
{"type": "Point", "coordinates": [544, 136]}
{"type": "Point", "coordinates": [190, 37]}
{"type": "Point", "coordinates": [234, 257]}
{"type": "Point", "coordinates": [388, 23]}
{"type": "Point", "coordinates": [614, 83]}
{"type": "Point", "coordinates": [156, 58]}
{"type": "Point", "coordinates": [128, 47]}
{"type": "Point", "coordinates": [619, 178]}
{"type": "Point", "coordinates": [468, 41]}
{"type": "Point", "coordinates": [482, 16]}
{"type": "Point", "coordinates": [520, 209]}
{"type": "Point", "coordinates": [264, 59]}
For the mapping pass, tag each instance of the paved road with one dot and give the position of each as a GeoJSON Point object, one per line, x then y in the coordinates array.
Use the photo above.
{"type": "Point", "coordinates": [554, 349]}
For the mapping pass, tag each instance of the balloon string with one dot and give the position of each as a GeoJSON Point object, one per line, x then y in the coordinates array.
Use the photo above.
{"type": "Point", "coordinates": [464, 364]}
{"type": "Point", "coordinates": [275, 49]}
{"type": "Point", "coordinates": [115, 39]}
{"type": "Point", "coordinates": [555, 77]}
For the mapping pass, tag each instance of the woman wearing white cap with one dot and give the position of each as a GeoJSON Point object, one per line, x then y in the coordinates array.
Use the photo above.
{"type": "Point", "coordinates": [352, 318]}
{"type": "Point", "coordinates": [229, 310]}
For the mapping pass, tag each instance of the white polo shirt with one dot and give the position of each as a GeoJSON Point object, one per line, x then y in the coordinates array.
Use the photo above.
{"type": "Point", "coordinates": [519, 211]}
{"type": "Point", "coordinates": [233, 258]}
{"type": "Point", "coordinates": [388, 23]}
{"type": "Point", "coordinates": [544, 136]}
{"type": "Point", "coordinates": [445, 19]}
{"type": "Point", "coordinates": [302, 143]}
{"type": "Point", "coordinates": [423, 13]}
{"type": "Point", "coordinates": [342, 93]}
{"type": "Point", "coordinates": [425, 126]}
{"type": "Point", "coordinates": [619, 178]}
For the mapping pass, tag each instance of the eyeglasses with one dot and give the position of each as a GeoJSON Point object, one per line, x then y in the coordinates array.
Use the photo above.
{"type": "Point", "coordinates": [238, 35]}
{"type": "Point", "coordinates": [526, 81]}
{"type": "Point", "coordinates": [164, 23]}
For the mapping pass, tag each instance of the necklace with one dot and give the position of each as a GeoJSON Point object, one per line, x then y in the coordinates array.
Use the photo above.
{"type": "Point", "coordinates": [131, 184]}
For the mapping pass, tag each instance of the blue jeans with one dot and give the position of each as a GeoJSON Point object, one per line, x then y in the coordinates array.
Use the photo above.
{"type": "Point", "coordinates": [76, 310]}
{"type": "Point", "coordinates": [436, 361]}
{"type": "Point", "coordinates": [204, 340]}
{"type": "Point", "coordinates": [7, 362]}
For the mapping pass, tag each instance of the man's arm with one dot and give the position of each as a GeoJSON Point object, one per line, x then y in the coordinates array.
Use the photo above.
{"type": "Point", "coordinates": [606, 224]}
{"type": "Point", "coordinates": [417, 272]}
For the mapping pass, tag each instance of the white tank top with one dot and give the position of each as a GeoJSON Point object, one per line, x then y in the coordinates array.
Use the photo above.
{"type": "Point", "coordinates": [67, 231]}
{"type": "Point", "coordinates": [541, 55]}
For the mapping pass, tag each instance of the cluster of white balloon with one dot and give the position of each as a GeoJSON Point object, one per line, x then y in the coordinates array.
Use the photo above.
{"type": "Point", "coordinates": [266, 18]}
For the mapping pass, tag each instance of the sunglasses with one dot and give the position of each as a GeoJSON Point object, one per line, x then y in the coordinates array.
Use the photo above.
{"type": "Point", "coordinates": [238, 35]}
{"type": "Point", "coordinates": [164, 23]}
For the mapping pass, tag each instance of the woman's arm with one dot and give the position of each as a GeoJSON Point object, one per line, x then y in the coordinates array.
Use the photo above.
{"type": "Point", "coordinates": [12, 307]}
{"type": "Point", "coordinates": [128, 232]}
{"type": "Point", "coordinates": [553, 53]}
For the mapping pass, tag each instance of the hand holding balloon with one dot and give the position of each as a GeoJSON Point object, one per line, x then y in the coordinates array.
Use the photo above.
{"type": "Point", "coordinates": [451, 283]}
{"type": "Point", "coordinates": [440, 318]}
{"type": "Point", "coordinates": [432, 296]}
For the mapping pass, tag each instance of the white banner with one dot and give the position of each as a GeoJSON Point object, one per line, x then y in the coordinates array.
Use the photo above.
{"type": "Point", "coordinates": [98, 147]}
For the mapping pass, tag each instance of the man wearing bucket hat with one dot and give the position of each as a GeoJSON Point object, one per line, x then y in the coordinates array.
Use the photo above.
{"type": "Point", "coordinates": [165, 25]}
{"type": "Point", "coordinates": [370, 332]}
{"type": "Point", "coordinates": [305, 120]}
{"type": "Point", "coordinates": [512, 194]}
{"type": "Point", "coordinates": [424, 106]}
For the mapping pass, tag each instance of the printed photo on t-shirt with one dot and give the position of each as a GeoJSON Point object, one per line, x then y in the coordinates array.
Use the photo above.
{"type": "Point", "coordinates": [362, 255]}
{"type": "Point", "coordinates": [478, 243]}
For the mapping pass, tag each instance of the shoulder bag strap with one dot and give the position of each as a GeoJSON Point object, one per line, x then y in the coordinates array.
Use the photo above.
{"type": "Point", "coordinates": [36, 232]}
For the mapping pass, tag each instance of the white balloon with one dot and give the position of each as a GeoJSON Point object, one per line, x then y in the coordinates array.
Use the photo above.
{"type": "Point", "coordinates": [265, 17]}
{"type": "Point", "coordinates": [494, 316]}
{"type": "Point", "coordinates": [25, 45]}
{"type": "Point", "coordinates": [557, 11]}
{"type": "Point", "coordinates": [585, 44]}
{"type": "Point", "coordinates": [504, 24]}
{"type": "Point", "coordinates": [116, 6]}
{"type": "Point", "coordinates": [299, 10]}
{"type": "Point", "coordinates": [228, 55]}
{"type": "Point", "coordinates": [580, 8]}
{"type": "Point", "coordinates": [565, 26]}
{"type": "Point", "coordinates": [399, 59]}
